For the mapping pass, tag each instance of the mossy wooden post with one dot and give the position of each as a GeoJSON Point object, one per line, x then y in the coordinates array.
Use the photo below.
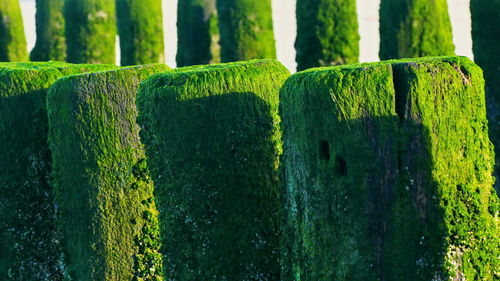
{"type": "Point", "coordinates": [140, 26]}
{"type": "Point", "coordinates": [327, 33]}
{"type": "Point", "coordinates": [415, 28]}
{"type": "Point", "coordinates": [90, 31]}
{"type": "Point", "coordinates": [28, 241]}
{"type": "Point", "coordinates": [106, 210]}
{"type": "Point", "coordinates": [50, 36]}
{"type": "Point", "coordinates": [212, 139]}
{"type": "Point", "coordinates": [12, 38]}
{"type": "Point", "coordinates": [246, 30]}
{"type": "Point", "coordinates": [197, 32]}
{"type": "Point", "coordinates": [485, 38]}
{"type": "Point", "coordinates": [387, 173]}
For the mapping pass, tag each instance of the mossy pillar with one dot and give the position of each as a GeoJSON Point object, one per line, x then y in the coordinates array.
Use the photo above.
{"type": "Point", "coordinates": [12, 38]}
{"type": "Point", "coordinates": [387, 173]}
{"type": "Point", "coordinates": [415, 28]}
{"type": "Point", "coordinates": [485, 38]}
{"type": "Point", "coordinates": [28, 241]}
{"type": "Point", "coordinates": [212, 139]}
{"type": "Point", "coordinates": [140, 26]}
{"type": "Point", "coordinates": [197, 32]}
{"type": "Point", "coordinates": [90, 31]}
{"type": "Point", "coordinates": [50, 36]}
{"type": "Point", "coordinates": [106, 211]}
{"type": "Point", "coordinates": [327, 33]}
{"type": "Point", "coordinates": [246, 30]}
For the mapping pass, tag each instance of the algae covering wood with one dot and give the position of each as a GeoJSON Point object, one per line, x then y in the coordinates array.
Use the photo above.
{"type": "Point", "coordinates": [12, 38]}
{"type": "Point", "coordinates": [486, 38]}
{"type": "Point", "coordinates": [212, 138]}
{"type": "Point", "coordinates": [50, 38]}
{"type": "Point", "coordinates": [90, 31]}
{"type": "Point", "coordinates": [197, 32]}
{"type": "Point", "coordinates": [106, 211]}
{"type": "Point", "coordinates": [28, 240]}
{"type": "Point", "coordinates": [140, 26]}
{"type": "Point", "coordinates": [327, 33]}
{"type": "Point", "coordinates": [246, 30]}
{"type": "Point", "coordinates": [387, 173]}
{"type": "Point", "coordinates": [415, 28]}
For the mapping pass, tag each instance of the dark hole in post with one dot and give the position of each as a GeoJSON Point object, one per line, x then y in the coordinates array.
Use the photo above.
{"type": "Point", "coordinates": [324, 151]}
{"type": "Point", "coordinates": [340, 166]}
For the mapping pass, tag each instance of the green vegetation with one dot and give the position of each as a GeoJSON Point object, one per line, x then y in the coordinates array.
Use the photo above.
{"type": "Point", "coordinates": [213, 143]}
{"type": "Point", "coordinates": [90, 31]}
{"type": "Point", "coordinates": [415, 28]}
{"type": "Point", "coordinates": [327, 33]}
{"type": "Point", "coordinates": [486, 37]}
{"type": "Point", "coordinates": [140, 26]}
{"type": "Point", "coordinates": [28, 241]}
{"type": "Point", "coordinates": [246, 30]}
{"type": "Point", "coordinates": [12, 40]}
{"type": "Point", "coordinates": [197, 32]}
{"type": "Point", "coordinates": [50, 37]}
{"type": "Point", "coordinates": [387, 171]}
{"type": "Point", "coordinates": [106, 212]}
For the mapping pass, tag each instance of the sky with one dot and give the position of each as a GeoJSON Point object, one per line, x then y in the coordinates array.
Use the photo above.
{"type": "Point", "coordinates": [285, 28]}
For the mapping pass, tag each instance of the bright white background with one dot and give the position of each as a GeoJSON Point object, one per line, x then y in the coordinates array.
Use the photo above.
{"type": "Point", "coordinates": [285, 29]}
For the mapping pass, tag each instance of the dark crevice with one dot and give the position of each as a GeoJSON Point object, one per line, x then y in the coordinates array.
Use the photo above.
{"type": "Point", "coordinates": [402, 89]}
{"type": "Point", "coordinates": [340, 166]}
{"type": "Point", "coordinates": [324, 151]}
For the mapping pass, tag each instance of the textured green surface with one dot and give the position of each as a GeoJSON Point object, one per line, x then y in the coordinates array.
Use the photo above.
{"type": "Point", "coordinates": [106, 212]}
{"type": "Point", "coordinates": [140, 26]}
{"type": "Point", "coordinates": [213, 142]}
{"type": "Point", "coordinates": [90, 31]}
{"type": "Point", "coordinates": [246, 30]}
{"type": "Point", "coordinates": [28, 241]}
{"type": "Point", "coordinates": [387, 171]}
{"type": "Point", "coordinates": [50, 37]}
{"type": "Point", "coordinates": [414, 28]}
{"type": "Point", "coordinates": [197, 33]}
{"type": "Point", "coordinates": [12, 38]}
{"type": "Point", "coordinates": [327, 33]}
{"type": "Point", "coordinates": [486, 38]}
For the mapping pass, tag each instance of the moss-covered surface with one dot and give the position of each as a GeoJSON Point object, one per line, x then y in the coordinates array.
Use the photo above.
{"type": "Point", "coordinates": [103, 191]}
{"type": "Point", "coordinates": [246, 30]}
{"type": "Point", "coordinates": [486, 37]}
{"type": "Point", "coordinates": [327, 33]}
{"type": "Point", "coordinates": [50, 37]}
{"type": "Point", "coordinates": [28, 242]}
{"type": "Point", "coordinates": [140, 26]}
{"type": "Point", "coordinates": [387, 171]}
{"type": "Point", "coordinates": [415, 28]}
{"type": "Point", "coordinates": [90, 31]}
{"type": "Point", "coordinates": [213, 143]}
{"type": "Point", "coordinates": [197, 33]}
{"type": "Point", "coordinates": [12, 38]}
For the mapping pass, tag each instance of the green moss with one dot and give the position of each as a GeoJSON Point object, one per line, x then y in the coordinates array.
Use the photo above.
{"type": "Point", "coordinates": [50, 38]}
{"type": "Point", "coordinates": [415, 28]}
{"type": "Point", "coordinates": [486, 37]}
{"type": "Point", "coordinates": [213, 141]}
{"type": "Point", "coordinates": [197, 32]}
{"type": "Point", "coordinates": [90, 31]}
{"type": "Point", "coordinates": [106, 213]}
{"type": "Point", "coordinates": [140, 26]}
{"type": "Point", "coordinates": [387, 171]}
{"type": "Point", "coordinates": [327, 33]}
{"type": "Point", "coordinates": [27, 229]}
{"type": "Point", "coordinates": [246, 30]}
{"type": "Point", "coordinates": [12, 38]}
